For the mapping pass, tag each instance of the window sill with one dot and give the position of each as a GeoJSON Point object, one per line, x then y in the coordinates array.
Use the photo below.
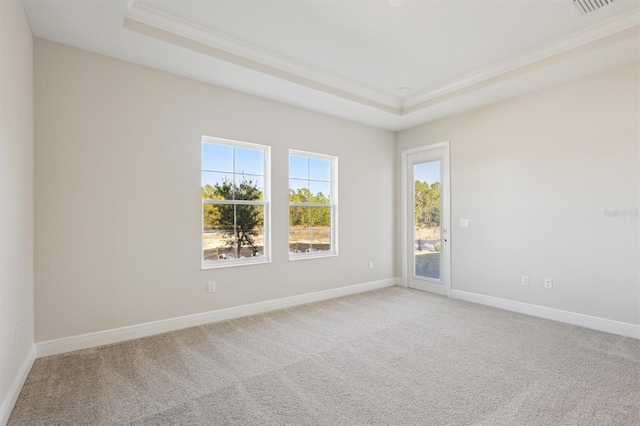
{"type": "Point", "coordinates": [305, 256]}
{"type": "Point", "coordinates": [231, 264]}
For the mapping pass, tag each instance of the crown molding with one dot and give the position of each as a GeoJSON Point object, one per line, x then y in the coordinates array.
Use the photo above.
{"type": "Point", "coordinates": [562, 45]}
{"type": "Point", "coordinates": [269, 60]}
{"type": "Point", "coordinates": [159, 25]}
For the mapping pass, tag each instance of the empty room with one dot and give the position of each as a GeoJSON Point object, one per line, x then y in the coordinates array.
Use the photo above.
{"type": "Point", "coordinates": [319, 212]}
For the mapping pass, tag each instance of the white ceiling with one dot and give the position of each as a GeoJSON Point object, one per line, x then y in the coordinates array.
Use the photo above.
{"type": "Point", "coordinates": [350, 58]}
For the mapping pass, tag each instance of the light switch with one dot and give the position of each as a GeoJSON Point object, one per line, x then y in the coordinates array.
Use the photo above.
{"type": "Point", "coordinates": [464, 223]}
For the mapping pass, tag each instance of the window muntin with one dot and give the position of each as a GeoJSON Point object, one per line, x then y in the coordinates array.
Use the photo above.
{"type": "Point", "coordinates": [312, 205]}
{"type": "Point", "coordinates": [235, 203]}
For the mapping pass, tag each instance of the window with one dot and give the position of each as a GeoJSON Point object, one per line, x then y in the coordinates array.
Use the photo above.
{"type": "Point", "coordinates": [235, 203]}
{"type": "Point", "coordinates": [312, 205]}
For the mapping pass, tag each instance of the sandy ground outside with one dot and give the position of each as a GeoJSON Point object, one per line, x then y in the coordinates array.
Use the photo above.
{"type": "Point", "coordinates": [215, 243]}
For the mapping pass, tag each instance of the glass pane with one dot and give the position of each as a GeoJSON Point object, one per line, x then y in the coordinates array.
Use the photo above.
{"type": "Point", "coordinates": [320, 228]}
{"type": "Point", "coordinates": [250, 243]}
{"type": "Point", "coordinates": [427, 219]}
{"type": "Point", "coordinates": [218, 186]}
{"type": "Point", "coordinates": [249, 217]}
{"type": "Point", "coordinates": [320, 238]}
{"type": "Point", "coordinates": [320, 192]}
{"type": "Point", "coordinates": [249, 187]}
{"type": "Point", "coordinates": [249, 161]}
{"type": "Point", "coordinates": [217, 157]}
{"type": "Point", "coordinates": [231, 232]}
{"type": "Point", "coordinates": [250, 228]}
{"type": "Point", "coordinates": [320, 216]}
{"type": "Point", "coordinates": [299, 229]}
{"type": "Point", "coordinates": [218, 236]}
{"type": "Point", "coordinates": [299, 240]}
{"type": "Point", "coordinates": [299, 191]}
{"type": "Point", "coordinates": [319, 169]}
{"type": "Point", "coordinates": [209, 182]}
{"type": "Point", "coordinates": [298, 167]}
{"type": "Point", "coordinates": [299, 217]}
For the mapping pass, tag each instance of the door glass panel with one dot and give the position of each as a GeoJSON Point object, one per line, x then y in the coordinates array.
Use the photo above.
{"type": "Point", "coordinates": [427, 237]}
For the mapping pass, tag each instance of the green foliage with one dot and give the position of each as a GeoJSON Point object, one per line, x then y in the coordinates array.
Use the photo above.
{"type": "Point", "coordinates": [302, 195]}
{"type": "Point", "coordinates": [309, 216]}
{"type": "Point", "coordinates": [211, 214]}
{"type": "Point", "coordinates": [240, 223]}
{"type": "Point", "coordinates": [427, 199]}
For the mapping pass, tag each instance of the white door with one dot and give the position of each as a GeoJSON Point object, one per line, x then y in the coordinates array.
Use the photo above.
{"type": "Point", "coordinates": [426, 253]}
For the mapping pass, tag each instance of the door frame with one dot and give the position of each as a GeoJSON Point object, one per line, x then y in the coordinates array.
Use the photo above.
{"type": "Point", "coordinates": [445, 196]}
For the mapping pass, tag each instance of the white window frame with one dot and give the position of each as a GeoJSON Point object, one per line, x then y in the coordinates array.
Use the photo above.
{"type": "Point", "coordinates": [266, 203]}
{"type": "Point", "coordinates": [333, 205]}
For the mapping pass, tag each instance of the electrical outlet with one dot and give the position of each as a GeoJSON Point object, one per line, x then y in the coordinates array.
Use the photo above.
{"type": "Point", "coordinates": [464, 223]}
{"type": "Point", "coordinates": [212, 287]}
{"type": "Point", "coordinates": [370, 265]}
{"type": "Point", "coordinates": [525, 280]}
{"type": "Point", "coordinates": [548, 283]}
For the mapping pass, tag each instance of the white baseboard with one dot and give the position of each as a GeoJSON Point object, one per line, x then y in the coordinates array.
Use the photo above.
{"type": "Point", "coordinates": [106, 337]}
{"type": "Point", "coordinates": [588, 321]}
{"type": "Point", "coordinates": [16, 386]}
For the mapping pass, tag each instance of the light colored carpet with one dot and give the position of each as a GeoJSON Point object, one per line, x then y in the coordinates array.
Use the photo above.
{"type": "Point", "coordinates": [392, 356]}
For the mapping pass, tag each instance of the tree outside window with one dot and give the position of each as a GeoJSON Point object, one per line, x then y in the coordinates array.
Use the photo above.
{"type": "Point", "coordinates": [234, 203]}
{"type": "Point", "coordinates": [312, 205]}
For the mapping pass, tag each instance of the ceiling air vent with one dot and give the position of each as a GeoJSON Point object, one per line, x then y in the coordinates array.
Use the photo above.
{"type": "Point", "coordinates": [586, 6]}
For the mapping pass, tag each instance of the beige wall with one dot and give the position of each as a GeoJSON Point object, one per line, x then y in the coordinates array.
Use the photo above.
{"type": "Point", "coordinates": [534, 175]}
{"type": "Point", "coordinates": [118, 187]}
{"type": "Point", "coordinates": [16, 195]}
{"type": "Point", "coordinates": [117, 195]}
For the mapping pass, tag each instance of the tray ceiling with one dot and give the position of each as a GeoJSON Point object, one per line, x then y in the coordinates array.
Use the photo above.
{"type": "Point", "coordinates": [363, 60]}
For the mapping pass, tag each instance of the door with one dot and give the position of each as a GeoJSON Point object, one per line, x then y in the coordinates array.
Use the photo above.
{"type": "Point", "coordinates": [426, 255]}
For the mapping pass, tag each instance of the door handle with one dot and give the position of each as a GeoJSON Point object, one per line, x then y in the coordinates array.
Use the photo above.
{"type": "Point", "coordinates": [444, 235]}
